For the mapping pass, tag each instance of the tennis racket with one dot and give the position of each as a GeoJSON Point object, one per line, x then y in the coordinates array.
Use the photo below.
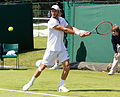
{"type": "Point", "coordinates": [103, 28]}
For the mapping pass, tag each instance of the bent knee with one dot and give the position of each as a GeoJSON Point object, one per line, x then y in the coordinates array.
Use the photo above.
{"type": "Point", "coordinates": [42, 67]}
{"type": "Point", "coordinates": [67, 66]}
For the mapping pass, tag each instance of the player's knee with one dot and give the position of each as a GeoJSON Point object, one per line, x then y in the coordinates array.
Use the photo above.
{"type": "Point", "coordinates": [42, 67]}
{"type": "Point", "coordinates": [67, 67]}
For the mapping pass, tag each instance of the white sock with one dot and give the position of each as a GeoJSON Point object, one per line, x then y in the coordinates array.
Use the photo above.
{"type": "Point", "coordinates": [32, 80]}
{"type": "Point", "coordinates": [57, 64]}
{"type": "Point", "coordinates": [62, 82]}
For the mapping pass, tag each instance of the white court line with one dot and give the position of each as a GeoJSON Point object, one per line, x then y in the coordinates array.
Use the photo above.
{"type": "Point", "coordinates": [32, 93]}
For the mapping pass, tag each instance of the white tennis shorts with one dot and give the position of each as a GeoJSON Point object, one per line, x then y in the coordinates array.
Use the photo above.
{"type": "Point", "coordinates": [50, 57]}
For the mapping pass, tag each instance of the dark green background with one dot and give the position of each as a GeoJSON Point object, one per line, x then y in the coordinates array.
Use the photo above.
{"type": "Point", "coordinates": [19, 16]}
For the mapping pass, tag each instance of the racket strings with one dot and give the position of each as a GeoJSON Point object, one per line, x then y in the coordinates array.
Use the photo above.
{"type": "Point", "coordinates": [104, 28]}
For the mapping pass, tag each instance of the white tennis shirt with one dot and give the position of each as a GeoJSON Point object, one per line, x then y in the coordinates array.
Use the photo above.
{"type": "Point", "coordinates": [55, 37]}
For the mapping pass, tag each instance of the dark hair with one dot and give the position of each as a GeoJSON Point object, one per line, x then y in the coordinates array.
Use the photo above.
{"type": "Point", "coordinates": [115, 28]}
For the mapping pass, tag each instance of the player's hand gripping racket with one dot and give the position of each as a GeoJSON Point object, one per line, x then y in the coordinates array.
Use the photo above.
{"type": "Point", "coordinates": [103, 28]}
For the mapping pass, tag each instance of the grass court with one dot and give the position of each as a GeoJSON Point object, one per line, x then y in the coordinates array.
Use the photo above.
{"type": "Point", "coordinates": [80, 83]}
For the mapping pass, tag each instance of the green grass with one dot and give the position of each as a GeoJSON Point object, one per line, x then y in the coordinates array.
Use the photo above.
{"type": "Point", "coordinates": [81, 83]}
{"type": "Point", "coordinates": [42, 27]}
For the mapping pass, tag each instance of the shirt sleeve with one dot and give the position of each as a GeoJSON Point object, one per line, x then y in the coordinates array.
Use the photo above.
{"type": "Point", "coordinates": [114, 44]}
{"type": "Point", "coordinates": [52, 23]}
{"type": "Point", "coordinates": [65, 23]}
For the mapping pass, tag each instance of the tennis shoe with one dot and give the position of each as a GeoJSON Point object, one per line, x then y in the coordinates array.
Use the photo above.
{"type": "Point", "coordinates": [27, 86]}
{"type": "Point", "coordinates": [111, 72]}
{"type": "Point", "coordinates": [62, 89]}
{"type": "Point", "coordinates": [55, 67]}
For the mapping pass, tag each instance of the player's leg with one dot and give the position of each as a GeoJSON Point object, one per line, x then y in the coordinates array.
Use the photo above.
{"type": "Point", "coordinates": [63, 57]}
{"type": "Point", "coordinates": [36, 74]}
{"type": "Point", "coordinates": [48, 59]}
{"type": "Point", "coordinates": [114, 65]}
{"type": "Point", "coordinates": [39, 70]}
{"type": "Point", "coordinates": [65, 72]}
{"type": "Point", "coordinates": [66, 69]}
{"type": "Point", "coordinates": [115, 62]}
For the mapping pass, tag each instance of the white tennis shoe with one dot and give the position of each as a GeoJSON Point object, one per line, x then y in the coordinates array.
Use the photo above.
{"type": "Point", "coordinates": [27, 86]}
{"type": "Point", "coordinates": [111, 72]}
{"type": "Point", "coordinates": [62, 89]}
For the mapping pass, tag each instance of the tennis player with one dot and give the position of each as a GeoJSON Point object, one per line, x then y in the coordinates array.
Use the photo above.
{"type": "Point", "coordinates": [61, 14]}
{"type": "Point", "coordinates": [56, 65]}
{"type": "Point", "coordinates": [56, 48]}
{"type": "Point", "coordinates": [115, 42]}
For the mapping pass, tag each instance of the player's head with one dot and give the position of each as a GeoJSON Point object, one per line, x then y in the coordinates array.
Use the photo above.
{"type": "Point", "coordinates": [60, 13]}
{"type": "Point", "coordinates": [115, 30]}
{"type": "Point", "coordinates": [55, 11]}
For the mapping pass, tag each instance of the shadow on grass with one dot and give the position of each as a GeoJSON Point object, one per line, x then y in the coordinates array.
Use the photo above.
{"type": "Point", "coordinates": [97, 90]}
{"type": "Point", "coordinates": [13, 69]}
{"type": "Point", "coordinates": [41, 90]}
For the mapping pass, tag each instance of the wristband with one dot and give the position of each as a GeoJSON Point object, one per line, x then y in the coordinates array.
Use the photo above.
{"type": "Point", "coordinates": [83, 31]}
{"type": "Point", "coordinates": [77, 33]}
{"type": "Point", "coordinates": [80, 31]}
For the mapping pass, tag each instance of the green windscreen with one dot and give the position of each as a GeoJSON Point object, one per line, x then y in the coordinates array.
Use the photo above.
{"type": "Point", "coordinates": [19, 16]}
{"type": "Point", "coordinates": [94, 48]}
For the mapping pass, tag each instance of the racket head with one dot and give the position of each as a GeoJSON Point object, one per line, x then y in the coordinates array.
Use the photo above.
{"type": "Point", "coordinates": [104, 28]}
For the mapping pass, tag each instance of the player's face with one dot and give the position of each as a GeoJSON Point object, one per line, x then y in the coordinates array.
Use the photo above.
{"type": "Point", "coordinates": [54, 13]}
{"type": "Point", "coordinates": [60, 13]}
{"type": "Point", "coordinates": [115, 33]}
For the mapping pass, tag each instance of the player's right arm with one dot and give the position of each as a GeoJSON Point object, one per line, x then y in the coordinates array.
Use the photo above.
{"type": "Point", "coordinates": [83, 33]}
{"type": "Point", "coordinates": [64, 29]}
{"type": "Point", "coordinates": [71, 30]}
